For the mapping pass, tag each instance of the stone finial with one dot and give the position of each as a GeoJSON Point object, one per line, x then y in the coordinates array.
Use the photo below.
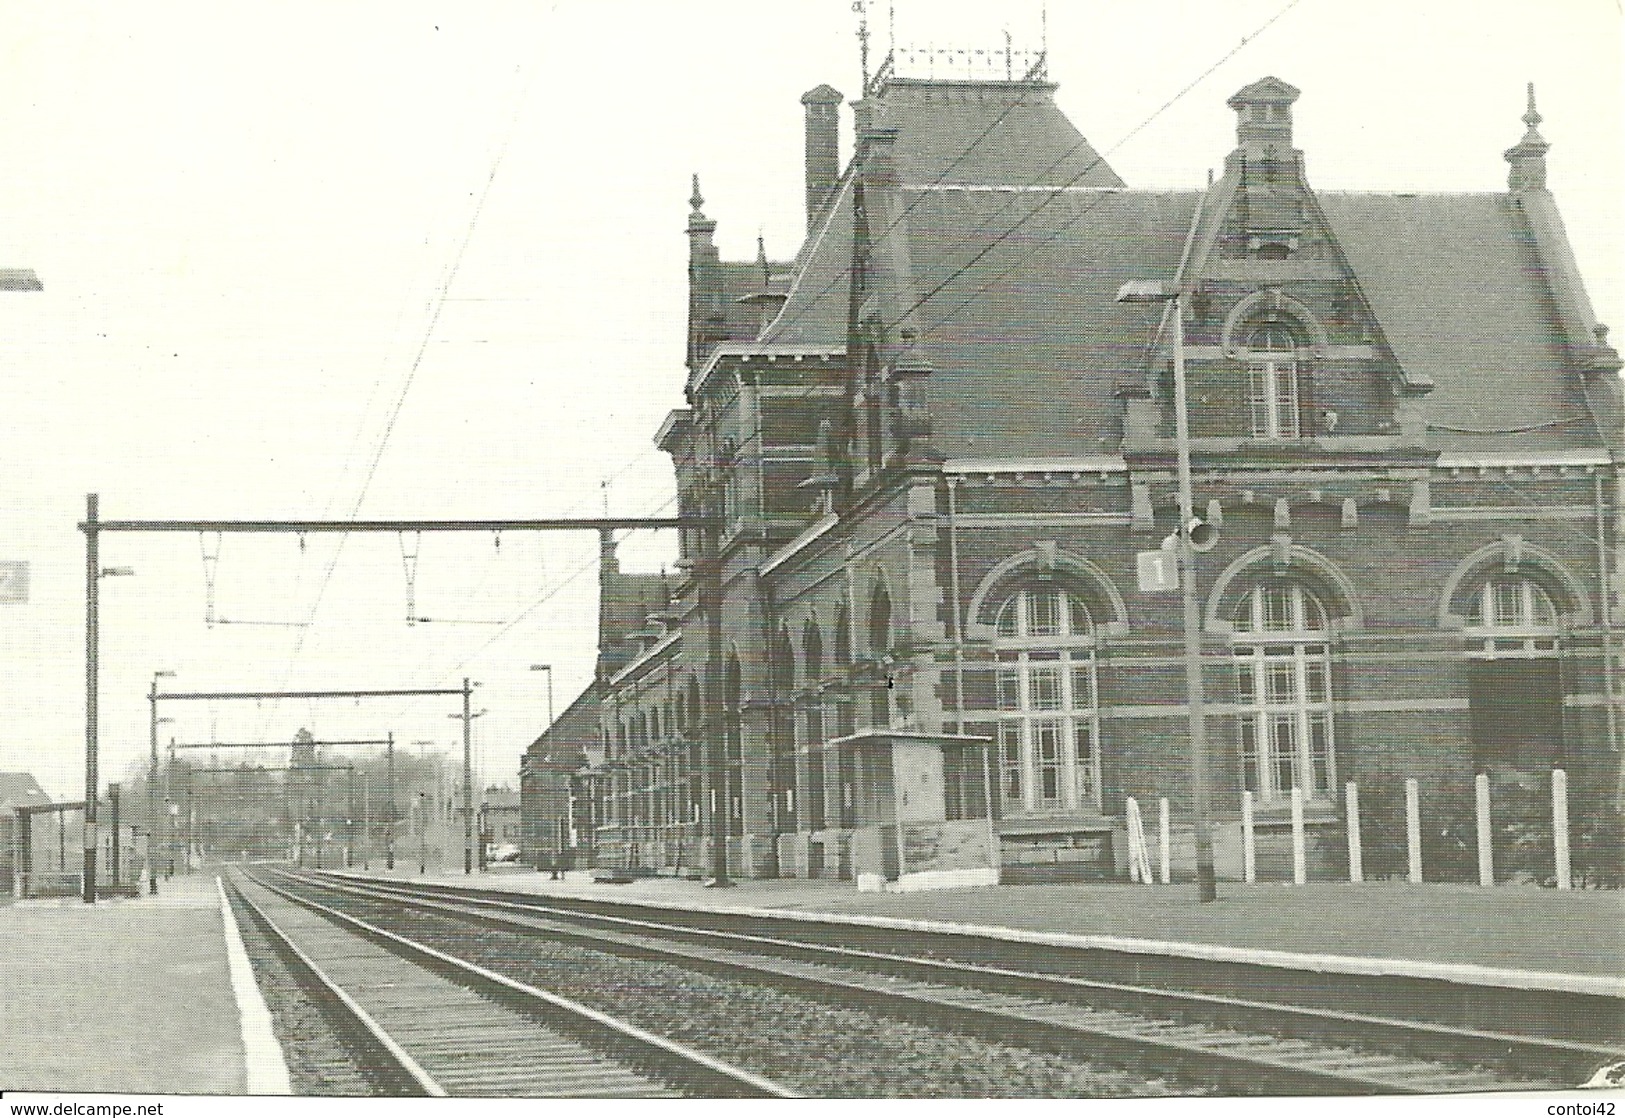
{"type": "Point", "coordinates": [1528, 156]}
{"type": "Point", "coordinates": [696, 200]}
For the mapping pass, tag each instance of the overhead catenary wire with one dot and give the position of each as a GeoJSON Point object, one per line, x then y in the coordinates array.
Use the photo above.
{"type": "Point", "coordinates": [1084, 211]}
{"type": "Point", "coordinates": [1045, 194]}
{"type": "Point", "coordinates": [417, 361]}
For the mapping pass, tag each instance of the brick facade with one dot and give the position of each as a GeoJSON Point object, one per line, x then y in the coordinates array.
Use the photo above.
{"type": "Point", "coordinates": [936, 444]}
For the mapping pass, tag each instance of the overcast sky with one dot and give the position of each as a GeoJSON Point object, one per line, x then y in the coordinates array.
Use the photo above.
{"type": "Point", "coordinates": [397, 259]}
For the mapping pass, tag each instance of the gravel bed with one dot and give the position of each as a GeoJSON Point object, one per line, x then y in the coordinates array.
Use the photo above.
{"type": "Point", "coordinates": [821, 1050]}
{"type": "Point", "coordinates": [317, 1055]}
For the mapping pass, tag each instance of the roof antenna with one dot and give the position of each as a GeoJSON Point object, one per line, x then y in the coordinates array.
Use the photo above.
{"type": "Point", "coordinates": [604, 488]}
{"type": "Point", "coordinates": [862, 8]}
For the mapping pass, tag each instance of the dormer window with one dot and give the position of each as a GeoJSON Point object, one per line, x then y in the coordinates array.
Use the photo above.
{"type": "Point", "coordinates": [1273, 390]}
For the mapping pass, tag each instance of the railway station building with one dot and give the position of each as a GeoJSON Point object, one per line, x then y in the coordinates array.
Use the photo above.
{"type": "Point", "coordinates": [938, 445]}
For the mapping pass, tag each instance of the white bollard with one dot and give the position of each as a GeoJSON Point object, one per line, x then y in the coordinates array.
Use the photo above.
{"type": "Point", "coordinates": [1131, 813]}
{"type": "Point", "coordinates": [1351, 809]}
{"type": "Point", "coordinates": [1560, 827]}
{"type": "Point", "coordinates": [1249, 866]}
{"type": "Point", "coordinates": [1486, 857]}
{"type": "Point", "coordinates": [1299, 870]}
{"type": "Point", "coordinates": [1413, 831]}
{"type": "Point", "coordinates": [1163, 836]}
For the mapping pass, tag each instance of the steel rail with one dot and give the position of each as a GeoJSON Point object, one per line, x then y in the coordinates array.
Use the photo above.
{"type": "Point", "coordinates": [406, 1070]}
{"type": "Point", "coordinates": [685, 1067]}
{"type": "Point", "coordinates": [1338, 1028]}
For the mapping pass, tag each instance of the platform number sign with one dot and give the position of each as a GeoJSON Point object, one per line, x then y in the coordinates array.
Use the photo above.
{"type": "Point", "coordinates": [13, 580]}
{"type": "Point", "coordinates": [1159, 570]}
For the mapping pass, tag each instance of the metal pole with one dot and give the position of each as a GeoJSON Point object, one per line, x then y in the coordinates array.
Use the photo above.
{"type": "Point", "coordinates": [113, 843]}
{"type": "Point", "coordinates": [389, 824]}
{"type": "Point", "coordinates": [468, 786]}
{"type": "Point", "coordinates": [366, 821]}
{"type": "Point", "coordinates": [152, 790]}
{"type": "Point", "coordinates": [710, 571]}
{"type": "Point", "coordinates": [92, 581]}
{"type": "Point", "coordinates": [1206, 889]}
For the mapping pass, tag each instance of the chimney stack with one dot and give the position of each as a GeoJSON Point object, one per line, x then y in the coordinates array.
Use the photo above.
{"type": "Point", "coordinates": [823, 146]}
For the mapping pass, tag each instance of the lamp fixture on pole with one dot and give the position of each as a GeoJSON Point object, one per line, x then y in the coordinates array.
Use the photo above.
{"type": "Point", "coordinates": [548, 668]}
{"type": "Point", "coordinates": [1172, 298]}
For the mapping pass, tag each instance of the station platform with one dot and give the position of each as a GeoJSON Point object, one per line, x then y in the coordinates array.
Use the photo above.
{"type": "Point", "coordinates": [136, 995]}
{"type": "Point", "coordinates": [1510, 935]}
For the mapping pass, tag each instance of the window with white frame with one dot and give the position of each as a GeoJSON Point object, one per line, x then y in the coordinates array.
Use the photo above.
{"type": "Point", "coordinates": [1048, 725]}
{"type": "Point", "coordinates": [1283, 686]}
{"type": "Point", "coordinates": [1512, 615]}
{"type": "Point", "coordinates": [1515, 678]}
{"type": "Point", "coordinates": [1272, 388]}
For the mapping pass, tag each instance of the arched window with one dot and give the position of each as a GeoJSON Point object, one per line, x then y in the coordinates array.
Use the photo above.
{"type": "Point", "coordinates": [812, 645]}
{"type": "Point", "coordinates": [1048, 727]}
{"type": "Point", "coordinates": [1512, 614]}
{"type": "Point", "coordinates": [880, 640]}
{"type": "Point", "coordinates": [1515, 681]}
{"type": "Point", "coordinates": [733, 746]}
{"type": "Point", "coordinates": [843, 637]}
{"type": "Point", "coordinates": [1283, 685]}
{"type": "Point", "coordinates": [1273, 388]}
{"type": "Point", "coordinates": [812, 654]}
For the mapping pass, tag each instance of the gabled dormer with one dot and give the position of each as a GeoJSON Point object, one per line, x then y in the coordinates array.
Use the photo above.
{"type": "Point", "coordinates": [1283, 351]}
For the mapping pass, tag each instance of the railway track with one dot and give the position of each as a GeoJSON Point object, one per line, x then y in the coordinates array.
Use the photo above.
{"type": "Point", "coordinates": [1240, 1045]}
{"type": "Point", "coordinates": [427, 1023]}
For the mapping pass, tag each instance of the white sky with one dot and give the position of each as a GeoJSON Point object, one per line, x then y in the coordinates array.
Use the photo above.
{"type": "Point", "coordinates": [245, 216]}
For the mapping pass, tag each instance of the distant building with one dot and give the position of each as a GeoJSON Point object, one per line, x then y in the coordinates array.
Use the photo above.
{"type": "Point", "coordinates": [938, 445]}
{"type": "Point", "coordinates": [17, 790]}
{"type": "Point", "coordinates": [554, 821]}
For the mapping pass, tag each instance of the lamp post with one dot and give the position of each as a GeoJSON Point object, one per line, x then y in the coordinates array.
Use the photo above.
{"type": "Point", "coordinates": [152, 777]}
{"type": "Point", "coordinates": [94, 573]}
{"type": "Point", "coordinates": [548, 668]}
{"type": "Point", "coordinates": [1150, 291]}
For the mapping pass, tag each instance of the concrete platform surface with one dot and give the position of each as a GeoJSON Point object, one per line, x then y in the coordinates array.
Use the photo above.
{"type": "Point", "coordinates": [130, 995]}
{"type": "Point", "coordinates": [1524, 931]}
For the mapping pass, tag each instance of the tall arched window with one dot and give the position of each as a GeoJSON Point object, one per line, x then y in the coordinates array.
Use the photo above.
{"type": "Point", "coordinates": [1273, 389]}
{"type": "Point", "coordinates": [733, 734]}
{"type": "Point", "coordinates": [784, 732]}
{"type": "Point", "coordinates": [1515, 681]}
{"type": "Point", "coordinates": [812, 655]}
{"type": "Point", "coordinates": [880, 639]}
{"type": "Point", "coordinates": [880, 643]}
{"type": "Point", "coordinates": [1048, 723]}
{"type": "Point", "coordinates": [843, 637]}
{"type": "Point", "coordinates": [1283, 685]}
{"type": "Point", "coordinates": [812, 644]}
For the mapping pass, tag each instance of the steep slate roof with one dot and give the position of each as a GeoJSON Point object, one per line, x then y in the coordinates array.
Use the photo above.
{"type": "Point", "coordinates": [1031, 319]}
{"type": "Point", "coordinates": [574, 735]}
{"type": "Point", "coordinates": [1034, 323]}
{"type": "Point", "coordinates": [986, 132]}
{"type": "Point", "coordinates": [1458, 288]}
{"type": "Point", "coordinates": [814, 314]}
